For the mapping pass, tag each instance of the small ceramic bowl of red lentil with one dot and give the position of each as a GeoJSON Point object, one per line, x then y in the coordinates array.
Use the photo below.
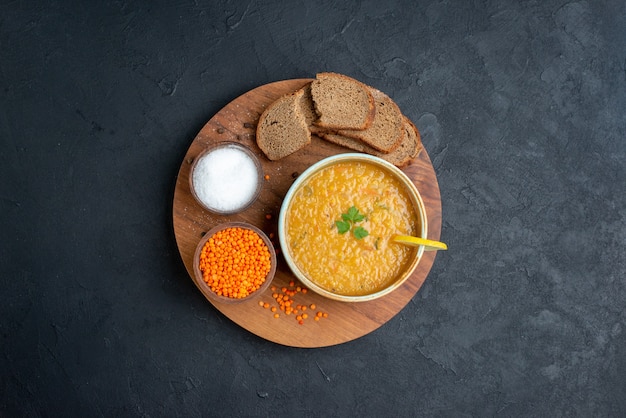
{"type": "Point", "coordinates": [234, 262]}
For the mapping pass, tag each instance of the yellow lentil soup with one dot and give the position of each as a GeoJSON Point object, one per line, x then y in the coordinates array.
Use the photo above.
{"type": "Point", "coordinates": [345, 263]}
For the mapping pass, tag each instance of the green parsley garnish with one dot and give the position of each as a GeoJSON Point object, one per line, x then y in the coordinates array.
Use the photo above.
{"type": "Point", "coordinates": [342, 226]}
{"type": "Point", "coordinates": [347, 223]}
{"type": "Point", "coordinates": [360, 232]}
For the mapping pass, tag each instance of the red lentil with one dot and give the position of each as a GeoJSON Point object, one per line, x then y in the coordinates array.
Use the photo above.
{"type": "Point", "coordinates": [234, 262]}
{"type": "Point", "coordinates": [285, 297]}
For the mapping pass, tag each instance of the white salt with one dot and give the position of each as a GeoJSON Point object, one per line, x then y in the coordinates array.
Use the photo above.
{"type": "Point", "coordinates": [225, 179]}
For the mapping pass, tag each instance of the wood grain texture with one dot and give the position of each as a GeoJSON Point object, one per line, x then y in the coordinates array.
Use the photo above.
{"type": "Point", "coordinates": [346, 321]}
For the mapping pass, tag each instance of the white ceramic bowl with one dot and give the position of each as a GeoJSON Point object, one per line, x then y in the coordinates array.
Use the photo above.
{"type": "Point", "coordinates": [411, 190]}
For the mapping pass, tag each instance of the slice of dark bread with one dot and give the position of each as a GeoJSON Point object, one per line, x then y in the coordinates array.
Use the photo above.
{"type": "Point", "coordinates": [342, 102]}
{"type": "Point", "coordinates": [387, 130]}
{"type": "Point", "coordinates": [408, 149]}
{"type": "Point", "coordinates": [282, 128]}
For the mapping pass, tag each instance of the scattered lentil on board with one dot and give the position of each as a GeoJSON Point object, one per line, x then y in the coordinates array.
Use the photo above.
{"type": "Point", "coordinates": [285, 298]}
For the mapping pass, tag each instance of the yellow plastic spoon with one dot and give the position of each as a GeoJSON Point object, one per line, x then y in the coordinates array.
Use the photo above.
{"type": "Point", "coordinates": [429, 245]}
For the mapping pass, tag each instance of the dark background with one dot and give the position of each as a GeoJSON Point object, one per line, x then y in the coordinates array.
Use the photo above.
{"type": "Point", "coordinates": [521, 108]}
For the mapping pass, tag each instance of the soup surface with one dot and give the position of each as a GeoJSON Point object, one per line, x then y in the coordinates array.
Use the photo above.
{"type": "Point", "coordinates": [348, 263]}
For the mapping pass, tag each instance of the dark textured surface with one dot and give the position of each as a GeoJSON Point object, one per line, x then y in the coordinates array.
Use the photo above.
{"type": "Point", "coordinates": [521, 107]}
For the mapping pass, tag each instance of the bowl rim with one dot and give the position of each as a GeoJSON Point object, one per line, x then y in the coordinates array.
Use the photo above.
{"type": "Point", "coordinates": [227, 144]}
{"type": "Point", "coordinates": [197, 274]}
{"type": "Point", "coordinates": [328, 161]}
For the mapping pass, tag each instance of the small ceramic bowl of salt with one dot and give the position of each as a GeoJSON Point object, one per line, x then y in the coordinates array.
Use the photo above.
{"type": "Point", "coordinates": [226, 178]}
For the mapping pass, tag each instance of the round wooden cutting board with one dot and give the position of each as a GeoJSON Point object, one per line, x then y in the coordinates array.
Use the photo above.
{"type": "Point", "coordinates": [346, 321]}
